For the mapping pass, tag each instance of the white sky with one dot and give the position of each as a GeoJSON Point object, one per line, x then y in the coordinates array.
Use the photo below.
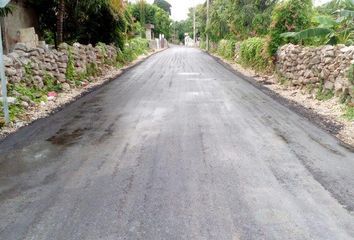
{"type": "Point", "coordinates": [180, 7]}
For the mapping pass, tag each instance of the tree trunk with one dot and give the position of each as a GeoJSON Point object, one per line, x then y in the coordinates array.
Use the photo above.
{"type": "Point", "coordinates": [60, 21]}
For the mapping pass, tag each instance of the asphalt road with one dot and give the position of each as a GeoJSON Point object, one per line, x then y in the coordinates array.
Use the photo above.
{"type": "Point", "coordinates": [176, 148]}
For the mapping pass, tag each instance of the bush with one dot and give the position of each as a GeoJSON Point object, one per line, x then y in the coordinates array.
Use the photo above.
{"type": "Point", "coordinates": [349, 113]}
{"type": "Point", "coordinates": [202, 44]}
{"type": "Point", "coordinates": [226, 48]}
{"type": "Point", "coordinates": [85, 21]}
{"type": "Point", "coordinates": [133, 49]}
{"type": "Point", "coordinates": [288, 16]}
{"type": "Point", "coordinates": [253, 54]}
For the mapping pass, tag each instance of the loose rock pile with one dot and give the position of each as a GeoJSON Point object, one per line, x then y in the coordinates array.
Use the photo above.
{"type": "Point", "coordinates": [327, 65]}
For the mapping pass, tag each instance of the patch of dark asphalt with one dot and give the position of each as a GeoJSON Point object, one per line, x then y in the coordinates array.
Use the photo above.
{"type": "Point", "coordinates": [322, 121]}
{"type": "Point", "coordinates": [67, 138]}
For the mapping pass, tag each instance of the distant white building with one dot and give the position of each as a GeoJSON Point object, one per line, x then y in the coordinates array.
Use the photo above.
{"type": "Point", "coordinates": [188, 41]}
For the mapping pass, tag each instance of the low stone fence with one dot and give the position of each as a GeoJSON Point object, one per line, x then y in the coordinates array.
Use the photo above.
{"type": "Point", "coordinates": [325, 66]}
{"type": "Point", "coordinates": [29, 66]}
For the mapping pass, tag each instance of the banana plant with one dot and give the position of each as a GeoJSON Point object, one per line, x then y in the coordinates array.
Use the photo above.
{"type": "Point", "coordinates": [329, 30]}
{"type": "Point", "coordinates": [6, 10]}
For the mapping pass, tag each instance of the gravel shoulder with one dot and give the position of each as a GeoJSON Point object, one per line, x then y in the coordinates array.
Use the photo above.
{"type": "Point", "coordinates": [326, 114]}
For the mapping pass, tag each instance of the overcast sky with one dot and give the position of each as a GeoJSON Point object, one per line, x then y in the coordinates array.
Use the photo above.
{"type": "Point", "coordinates": [180, 7]}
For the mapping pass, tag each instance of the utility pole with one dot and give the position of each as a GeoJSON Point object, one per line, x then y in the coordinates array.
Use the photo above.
{"type": "Point", "coordinates": [3, 4]}
{"type": "Point", "coordinates": [194, 34]}
{"type": "Point", "coordinates": [207, 26]}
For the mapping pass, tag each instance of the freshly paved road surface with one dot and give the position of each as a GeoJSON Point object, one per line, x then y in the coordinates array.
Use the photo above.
{"type": "Point", "coordinates": [176, 148]}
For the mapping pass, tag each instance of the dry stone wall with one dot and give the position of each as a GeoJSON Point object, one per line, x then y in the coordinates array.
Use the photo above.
{"type": "Point", "coordinates": [42, 61]}
{"type": "Point", "coordinates": [325, 66]}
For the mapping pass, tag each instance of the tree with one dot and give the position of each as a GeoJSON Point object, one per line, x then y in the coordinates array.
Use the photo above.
{"type": "Point", "coordinates": [89, 21]}
{"type": "Point", "coordinates": [237, 19]}
{"type": "Point", "coordinates": [60, 21]}
{"type": "Point", "coordinates": [288, 16]}
{"type": "Point", "coordinates": [6, 10]}
{"type": "Point", "coordinates": [166, 6]}
{"type": "Point", "coordinates": [143, 12]}
{"type": "Point", "coordinates": [328, 30]}
{"type": "Point", "coordinates": [182, 27]}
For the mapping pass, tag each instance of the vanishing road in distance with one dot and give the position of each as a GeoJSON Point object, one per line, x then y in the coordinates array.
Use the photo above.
{"type": "Point", "coordinates": [178, 147]}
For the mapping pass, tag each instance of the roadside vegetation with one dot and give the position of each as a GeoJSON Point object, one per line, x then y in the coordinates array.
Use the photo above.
{"type": "Point", "coordinates": [96, 22]}
{"type": "Point", "coordinates": [349, 113]}
{"type": "Point", "coordinates": [251, 32]}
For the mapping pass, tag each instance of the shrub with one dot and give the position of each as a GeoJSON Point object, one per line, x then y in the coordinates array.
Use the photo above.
{"type": "Point", "coordinates": [70, 69]}
{"type": "Point", "coordinates": [202, 44]}
{"type": "Point", "coordinates": [253, 54]}
{"type": "Point", "coordinates": [226, 48]}
{"type": "Point", "coordinates": [134, 48]}
{"type": "Point", "coordinates": [288, 16]}
{"type": "Point", "coordinates": [349, 113]}
{"type": "Point", "coordinates": [50, 84]}
{"type": "Point", "coordinates": [351, 73]}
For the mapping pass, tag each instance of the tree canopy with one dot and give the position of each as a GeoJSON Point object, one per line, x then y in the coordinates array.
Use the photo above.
{"type": "Point", "coordinates": [144, 13]}
{"type": "Point", "coordinates": [166, 6]}
{"type": "Point", "coordinates": [84, 20]}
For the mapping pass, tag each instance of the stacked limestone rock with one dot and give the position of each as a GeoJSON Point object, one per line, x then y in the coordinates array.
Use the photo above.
{"type": "Point", "coordinates": [43, 60]}
{"type": "Point", "coordinates": [328, 65]}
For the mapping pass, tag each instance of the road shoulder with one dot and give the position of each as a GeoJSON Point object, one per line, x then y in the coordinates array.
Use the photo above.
{"type": "Point", "coordinates": [325, 114]}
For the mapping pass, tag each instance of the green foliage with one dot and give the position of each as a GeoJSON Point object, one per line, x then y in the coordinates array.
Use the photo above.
{"type": "Point", "coordinates": [6, 10]}
{"type": "Point", "coordinates": [50, 84]}
{"type": "Point", "coordinates": [166, 6]}
{"type": "Point", "coordinates": [219, 27]}
{"type": "Point", "coordinates": [324, 94]}
{"type": "Point", "coordinates": [182, 27]}
{"type": "Point", "coordinates": [344, 98]}
{"type": "Point", "coordinates": [89, 21]}
{"type": "Point", "coordinates": [202, 45]}
{"type": "Point", "coordinates": [14, 111]}
{"type": "Point", "coordinates": [28, 72]}
{"type": "Point", "coordinates": [329, 31]}
{"type": "Point", "coordinates": [308, 33]}
{"type": "Point", "coordinates": [226, 48]}
{"type": "Point", "coordinates": [332, 6]}
{"type": "Point", "coordinates": [35, 94]}
{"type": "Point", "coordinates": [49, 37]}
{"type": "Point", "coordinates": [133, 49]}
{"type": "Point", "coordinates": [70, 73]}
{"type": "Point", "coordinates": [92, 70]}
{"type": "Point", "coordinates": [253, 54]}
{"type": "Point", "coordinates": [349, 113]}
{"type": "Point", "coordinates": [288, 16]}
{"type": "Point", "coordinates": [76, 78]}
{"type": "Point", "coordinates": [145, 13]}
{"type": "Point", "coordinates": [351, 73]}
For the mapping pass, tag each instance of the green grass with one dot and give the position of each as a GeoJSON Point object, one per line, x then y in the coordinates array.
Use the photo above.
{"type": "Point", "coordinates": [349, 113]}
{"type": "Point", "coordinates": [14, 110]}
{"type": "Point", "coordinates": [324, 94]}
